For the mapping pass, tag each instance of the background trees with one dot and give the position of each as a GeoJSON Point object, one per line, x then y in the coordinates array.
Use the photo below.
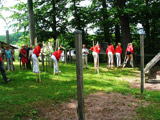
{"type": "Point", "coordinates": [112, 21]}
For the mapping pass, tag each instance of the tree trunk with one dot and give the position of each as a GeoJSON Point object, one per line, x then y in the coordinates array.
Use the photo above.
{"type": "Point", "coordinates": [124, 22]}
{"type": "Point", "coordinates": [7, 36]}
{"type": "Point", "coordinates": [147, 25]}
{"type": "Point", "coordinates": [31, 22]}
{"type": "Point", "coordinates": [54, 27]}
{"type": "Point", "coordinates": [105, 23]}
{"type": "Point", "coordinates": [117, 34]}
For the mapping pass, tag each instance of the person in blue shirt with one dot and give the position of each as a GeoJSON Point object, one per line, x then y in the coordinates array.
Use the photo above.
{"type": "Point", "coordinates": [9, 59]}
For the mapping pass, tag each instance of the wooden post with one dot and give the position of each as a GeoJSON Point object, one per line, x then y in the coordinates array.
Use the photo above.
{"type": "Point", "coordinates": [7, 36]}
{"type": "Point", "coordinates": [43, 62]}
{"type": "Point", "coordinates": [65, 54]}
{"type": "Point", "coordinates": [79, 70]}
{"type": "Point", "coordinates": [49, 64]}
{"type": "Point", "coordinates": [46, 63]}
{"type": "Point", "coordinates": [93, 57]}
{"type": "Point", "coordinates": [70, 56]}
{"type": "Point", "coordinates": [142, 61]}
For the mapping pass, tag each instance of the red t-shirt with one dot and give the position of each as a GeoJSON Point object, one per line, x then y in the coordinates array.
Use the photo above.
{"type": "Point", "coordinates": [95, 49]}
{"type": "Point", "coordinates": [110, 49]}
{"type": "Point", "coordinates": [37, 50]}
{"type": "Point", "coordinates": [57, 54]}
{"type": "Point", "coordinates": [118, 50]}
{"type": "Point", "coordinates": [0, 58]}
{"type": "Point", "coordinates": [129, 48]}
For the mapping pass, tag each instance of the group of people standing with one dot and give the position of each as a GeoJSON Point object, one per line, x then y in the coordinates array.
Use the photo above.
{"type": "Point", "coordinates": [26, 56]}
{"type": "Point", "coordinates": [110, 51]}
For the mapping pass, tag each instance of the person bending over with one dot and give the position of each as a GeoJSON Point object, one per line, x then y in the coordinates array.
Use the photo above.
{"type": "Point", "coordinates": [129, 53]}
{"type": "Point", "coordinates": [56, 56]}
{"type": "Point", "coordinates": [35, 55]}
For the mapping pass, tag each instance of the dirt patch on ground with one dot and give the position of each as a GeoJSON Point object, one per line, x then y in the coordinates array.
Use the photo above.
{"type": "Point", "coordinates": [135, 83]}
{"type": "Point", "coordinates": [98, 106]}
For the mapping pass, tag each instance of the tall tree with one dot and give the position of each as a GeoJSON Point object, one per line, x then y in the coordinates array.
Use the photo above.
{"type": "Point", "coordinates": [105, 21]}
{"type": "Point", "coordinates": [31, 22]}
{"type": "Point", "coordinates": [124, 22]}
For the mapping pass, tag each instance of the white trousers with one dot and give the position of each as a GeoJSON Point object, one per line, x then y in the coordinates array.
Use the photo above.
{"type": "Point", "coordinates": [110, 61]}
{"type": "Point", "coordinates": [85, 60]}
{"type": "Point", "coordinates": [35, 64]}
{"type": "Point", "coordinates": [95, 56]}
{"type": "Point", "coordinates": [55, 63]}
{"type": "Point", "coordinates": [118, 56]}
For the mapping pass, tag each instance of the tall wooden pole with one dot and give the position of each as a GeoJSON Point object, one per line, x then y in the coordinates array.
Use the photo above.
{"type": "Point", "coordinates": [79, 70]}
{"type": "Point", "coordinates": [142, 61]}
{"type": "Point", "coordinates": [7, 36]}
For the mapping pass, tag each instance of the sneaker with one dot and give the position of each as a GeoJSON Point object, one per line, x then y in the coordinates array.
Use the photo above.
{"type": "Point", "coordinates": [59, 72]}
{"type": "Point", "coordinates": [8, 80]}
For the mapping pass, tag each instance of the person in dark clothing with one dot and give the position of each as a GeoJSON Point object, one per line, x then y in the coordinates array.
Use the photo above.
{"type": "Point", "coordinates": [3, 70]}
{"type": "Point", "coordinates": [28, 60]}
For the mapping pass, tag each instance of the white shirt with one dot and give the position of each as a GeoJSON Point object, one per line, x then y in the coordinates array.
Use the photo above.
{"type": "Point", "coordinates": [30, 53]}
{"type": "Point", "coordinates": [84, 50]}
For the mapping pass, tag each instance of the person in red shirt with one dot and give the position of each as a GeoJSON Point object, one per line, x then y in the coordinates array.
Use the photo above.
{"type": "Point", "coordinates": [110, 53]}
{"type": "Point", "coordinates": [56, 56]}
{"type": "Point", "coordinates": [129, 53]}
{"type": "Point", "coordinates": [23, 52]}
{"type": "Point", "coordinates": [3, 70]}
{"type": "Point", "coordinates": [35, 55]}
{"type": "Point", "coordinates": [118, 52]}
{"type": "Point", "coordinates": [95, 51]}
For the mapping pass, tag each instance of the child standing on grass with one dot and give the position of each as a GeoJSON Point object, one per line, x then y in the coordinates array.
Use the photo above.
{"type": "Point", "coordinates": [9, 59]}
{"type": "Point", "coordinates": [35, 56]}
{"type": "Point", "coordinates": [56, 56]}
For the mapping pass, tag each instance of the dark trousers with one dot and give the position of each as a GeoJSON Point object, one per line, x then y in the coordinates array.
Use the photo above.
{"type": "Point", "coordinates": [3, 71]}
{"type": "Point", "coordinates": [28, 64]}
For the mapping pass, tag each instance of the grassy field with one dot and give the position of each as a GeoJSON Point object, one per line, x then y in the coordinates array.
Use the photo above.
{"type": "Point", "coordinates": [23, 96]}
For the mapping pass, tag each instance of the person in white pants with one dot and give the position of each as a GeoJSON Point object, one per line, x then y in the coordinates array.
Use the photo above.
{"type": "Point", "coordinates": [56, 56]}
{"type": "Point", "coordinates": [110, 53]}
{"type": "Point", "coordinates": [35, 56]}
{"type": "Point", "coordinates": [85, 52]}
{"type": "Point", "coordinates": [118, 52]}
{"type": "Point", "coordinates": [95, 51]}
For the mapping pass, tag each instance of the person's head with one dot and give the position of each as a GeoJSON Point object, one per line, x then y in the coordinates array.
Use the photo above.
{"type": "Point", "coordinates": [7, 47]}
{"type": "Point", "coordinates": [119, 44]}
{"type": "Point", "coordinates": [31, 47]}
{"type": "Point", "coordinates": [84, 46]}
{"type": "Point", "coordinates": [22, 46]}
{"type": "Point", "coordinates": [26, 46]}
{"type": "Point", "coordinates": [111, 44]}
{"type": "Point", "coordinates": [61, 49]}
{"type": "Point", "coordinates": [97, 44]}
{"type": "Point", "coordinates": [40, 44]}
{"type": "Point", "coordinates": [60, 46]}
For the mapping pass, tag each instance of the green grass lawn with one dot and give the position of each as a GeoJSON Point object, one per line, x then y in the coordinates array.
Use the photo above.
{"type": "Point", "coordinates": [23, 96]}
